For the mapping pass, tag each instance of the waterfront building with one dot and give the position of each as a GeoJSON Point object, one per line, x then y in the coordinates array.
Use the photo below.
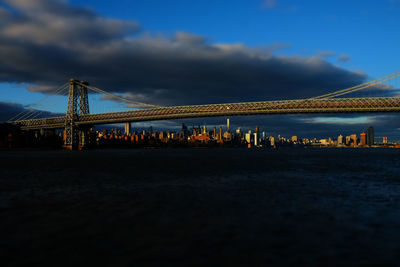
{"type": "Point", "coordinates": [353, 140]}
{"type": "Point", "coordinates": [227, 136]}
{"type": "Point", "coordinates": [247, 137]}
{"type": "Point", "coordinates": [340, 140]}
{"type": "Point", "coordinates": [256, 139]}
{"type": "Point", "coordinates": [384, 140]}
{"type": "Point", "coordinates": [370, 136]}
{"type": "Point", "coordinates": [324, 142]}
{"type": "Point", "coordinates": [363, 139]}
{"type": "Point", "coordinates": [272, 140]}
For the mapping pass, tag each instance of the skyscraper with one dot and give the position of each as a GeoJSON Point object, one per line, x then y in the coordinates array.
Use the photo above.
{"type": "Point", "coordinates": [340, 140]}
{"type": "Point", "coordinates": [363, 139]}
{"type": "Point", "coordinates": [370, 136]}
{"type": "Point", "coordinates": [353, 138]}
{"type": "Point", "coordinates": [248, 137]}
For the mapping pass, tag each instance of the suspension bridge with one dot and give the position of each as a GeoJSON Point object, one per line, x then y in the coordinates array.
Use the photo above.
{"type": "Point", "coordinates": [78, 120]}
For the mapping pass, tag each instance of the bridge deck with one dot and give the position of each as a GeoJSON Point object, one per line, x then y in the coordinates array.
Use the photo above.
{"type": "Point", "coordinates": [336, 105]}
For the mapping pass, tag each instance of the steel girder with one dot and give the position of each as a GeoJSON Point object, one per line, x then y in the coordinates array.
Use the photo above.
{"type": "Point", "coordinates": [335, 105]}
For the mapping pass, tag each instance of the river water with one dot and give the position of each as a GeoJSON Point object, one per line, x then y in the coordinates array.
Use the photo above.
{"type": "Point", "coordinates": [197, 207]}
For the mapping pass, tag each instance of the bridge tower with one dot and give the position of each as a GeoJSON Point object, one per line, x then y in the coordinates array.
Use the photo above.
{"type": "Point", "coordinates": [78, 104]}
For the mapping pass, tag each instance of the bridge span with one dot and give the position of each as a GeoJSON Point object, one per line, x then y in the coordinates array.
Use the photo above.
{"type": "Point", "coordinates": [334, 105]}
{"type": "Point", "coordinates": [78, 119]}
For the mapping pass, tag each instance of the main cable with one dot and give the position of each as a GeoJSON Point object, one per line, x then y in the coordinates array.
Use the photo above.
{"type": "Point", "coordinates": [359, 87]}
{"type": "Point", "coordinates": [98, 90]}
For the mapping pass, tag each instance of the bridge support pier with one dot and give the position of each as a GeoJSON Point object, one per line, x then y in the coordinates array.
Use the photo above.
{"type": "Point", "coordinates": [76, 138]}
{"type": "Point", "coordinates": [78, 104]}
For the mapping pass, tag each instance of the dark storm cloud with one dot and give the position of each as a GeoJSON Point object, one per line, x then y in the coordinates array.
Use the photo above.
{"type": "Point", "coordinates": [45, 42]}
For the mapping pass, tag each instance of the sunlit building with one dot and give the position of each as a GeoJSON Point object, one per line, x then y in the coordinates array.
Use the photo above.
{"type": "Point", "coordinates": [247, 137]}
{"type": "Point", "coordinates": [340, 140]}
{"type": "Point", "coordinates": [272, 140]}
{"type": "Point", "coordinates": [363, 139]}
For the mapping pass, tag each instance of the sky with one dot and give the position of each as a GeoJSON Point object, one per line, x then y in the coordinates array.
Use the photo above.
{"type": "Point", "coordinates": [199, 52]}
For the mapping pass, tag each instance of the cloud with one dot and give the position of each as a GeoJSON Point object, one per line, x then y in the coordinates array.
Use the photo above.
{"type": "Point", "coordinates": [46, 43]}
{"type": "Point", "coordinates": [340, 120]}
{"type": "Point", "coordinates": [325, 53]}
{"type": "Point", "coordinates": [268, 4]}
{"type": "Point", "coordinates": [344, 58]}
{"type": "Point", "coordinates": [190, 39]}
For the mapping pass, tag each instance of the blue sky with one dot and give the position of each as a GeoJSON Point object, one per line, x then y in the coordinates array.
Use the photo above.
{"type": "Point", "coordinates": [364, 30]}
{"type": "Point", "coordinates": [191, 52]}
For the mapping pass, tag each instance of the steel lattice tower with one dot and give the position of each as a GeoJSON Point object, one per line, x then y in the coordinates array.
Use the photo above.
{"type": "Point", "coordinates": [78, 104]}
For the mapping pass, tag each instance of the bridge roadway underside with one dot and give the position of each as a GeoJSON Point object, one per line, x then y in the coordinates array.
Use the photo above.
{"type": "Point", "coordinates": [305, 106]}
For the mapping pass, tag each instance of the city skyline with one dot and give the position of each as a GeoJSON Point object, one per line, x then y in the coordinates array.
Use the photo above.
{"type": "Point", "coordinates": [128, 129]}
{"type": "Point", "coordinates": [162, 63]}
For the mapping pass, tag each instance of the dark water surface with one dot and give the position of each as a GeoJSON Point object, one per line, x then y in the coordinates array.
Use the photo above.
{"type": "Point", "coordinates": [200, 207]}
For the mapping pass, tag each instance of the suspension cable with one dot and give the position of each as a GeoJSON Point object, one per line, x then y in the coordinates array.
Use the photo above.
{"type": "Point", "coordinates": [359, 87]}
{"type": "Point", "coordinates": [116, 96]}
{"type": "Point", "coordinates": [32, 112]}
{"type": "Point", "coordinates": [40, 103]}
{"type": "Point", "coordinates": [362, 88]}
{"type": "Point", "coordinates": [56, 101]}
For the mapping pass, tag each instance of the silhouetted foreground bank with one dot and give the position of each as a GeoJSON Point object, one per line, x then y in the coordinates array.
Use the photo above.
{"type": "Point", "coordinates": [200, 207]}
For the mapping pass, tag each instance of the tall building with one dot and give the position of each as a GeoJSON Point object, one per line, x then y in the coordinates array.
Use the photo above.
{"type": "Point", "coordinates": [228, 126]}
{"type": "Point", "coordinates": [370, 136]}
{"type": "Point", "coordinates": [127, 128]}
{"type": "Point", "coordinates": [363, 139]}
{"type": "Point", "coordinates": [256, 139]}
{"type": "Point", "coordinates": [353, 138]}
{"type": "Point", "coordinates": [272, 140]}
{"type": "Point", "coordinates": [384, 140]}
{"type": "Point", "coordinates": [248, 138]}
{"type": "Point", "coordinates": [340, 140]}
{"type": "Point", "coordinates": [348, 140]}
